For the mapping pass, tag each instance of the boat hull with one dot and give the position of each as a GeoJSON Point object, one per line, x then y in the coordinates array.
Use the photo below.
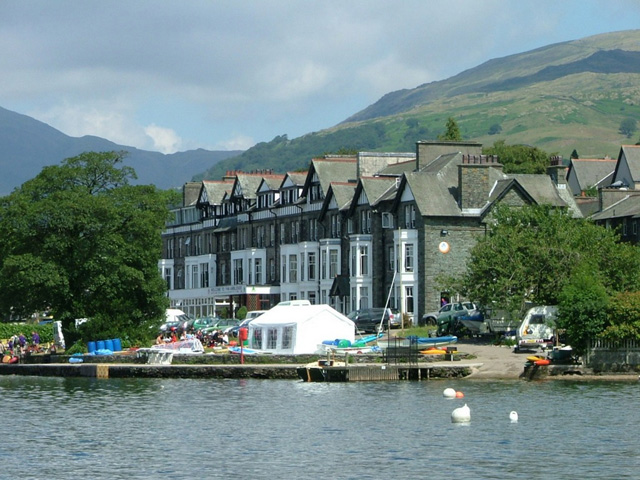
{"type": "Point", "coordinates": [420, 342]}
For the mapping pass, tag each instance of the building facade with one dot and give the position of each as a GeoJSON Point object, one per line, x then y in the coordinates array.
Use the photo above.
{"type": "Point", "coordinates": [359, 231]}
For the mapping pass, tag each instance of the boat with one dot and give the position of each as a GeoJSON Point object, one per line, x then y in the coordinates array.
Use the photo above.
{"type": "Point", "coordinates": [186, 346]}
{"type": "Point", "coordinates": [420, 342]}
{"type": "Point", "coordinates": [244, 351]}
{"type": "Point", "coordinates": [342, 346]}
{"type": "Point", "coordinates": [317, 371]}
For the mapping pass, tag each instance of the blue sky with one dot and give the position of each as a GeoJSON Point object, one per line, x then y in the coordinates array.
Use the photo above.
{"type": "Point", "coordinates": [223, 75]}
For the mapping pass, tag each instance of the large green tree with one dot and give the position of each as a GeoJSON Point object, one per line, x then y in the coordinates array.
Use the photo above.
{"type": "Point", "coordinates": [83, 242]}
{"type": "Point", "coordinates": [519, 158]}
{"type": "Point", "coordinates": [452, 132]}
{"type": "Point", "coordinates": [530, 253]}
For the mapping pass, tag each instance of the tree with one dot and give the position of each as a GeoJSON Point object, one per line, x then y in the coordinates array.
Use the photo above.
{"type": "Point", "coordinates": [495, 129]}
{"type": "Point", "coordinates": [519, 158]}
{"type": "Point", "coordinates": [628, 126]}
{"type": "Point", "coordinates": [530, 253]}
{"type": "Point", "coordinates": [574, 154]}
{"type": "Point", "coordinates": [583, 307]}
{"type": "Point", "coordinates": [84, 243]}
{"type": "Point", "coordinates": [452, 133]}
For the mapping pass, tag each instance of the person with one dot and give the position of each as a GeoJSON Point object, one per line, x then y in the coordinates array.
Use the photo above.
{"type": "Point", "coordinates": [225, 339]}
{"type": "Point", "coordinates": [23, 341]}
{"type": "Point", "coordinates": [159, 340]}
{"type": "Point", "coordinates": [35, 338]}
{"type": "Point", "coordinates": [443, 302]}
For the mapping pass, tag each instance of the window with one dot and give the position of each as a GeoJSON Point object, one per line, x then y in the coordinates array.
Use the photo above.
{"type": "Point", "coordinates": [167, 277]}
{"type": "Point", "coordinates": [364, 260]}
{"type": "Point", "coordinates": [364, 297]}
{"type": "Point", "coordinates": [293, 268]}
{"type": "Point", "coordinates": [238, 277]}
{"type": "Point", "coordinates": [333, 263]}
{"type": "Point", "coordinates": [409, 216]}
{"type": "Point", "coordinates": [272, 338]}
{"type": "Point", "coordinates": [195, 277]}
{"type": "Point", "coordinates": [258, 264]}
{"type": "Point", "coordinates": [284, 269]}
{"type": "Point", "coordinates": [302, 267]}
{"type": "Point", "coordinates": [224, 274]}
{"type": "Point", "coordinates": [387, 220]}
{"type": "Point", "coordinates": [392, 258]}
{"type": "Point", "coordinates": [365, 221]}
{"type": "Point", "coordinates": [408, 292]}
{"type": "Point", "coordinates": [272, 269]}
{"type": "Point", "coordinates": [287, 337]}
{"type": "Point", "coordinates": [204, 275]}
{"type": "Point", "coordinates": [312, 266]}
{"type": "Point", "coordinates": [323, 264]}
{"type": "Point", "coordinates": [250, 272]}
{"type": "Point", "coordinates": [313, 229]}
{"type": "Point", "coordinates": [282, 234]}
{"type": "Point", "coordinates": [256, 339]}
{"type": "Point", "coordinates": [312, 297]}
{"type": "Point", "coordinates": [408, 258]}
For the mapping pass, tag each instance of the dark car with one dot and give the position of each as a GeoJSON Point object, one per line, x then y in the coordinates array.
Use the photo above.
{"type": "Point", "coordinates": [368, 319]}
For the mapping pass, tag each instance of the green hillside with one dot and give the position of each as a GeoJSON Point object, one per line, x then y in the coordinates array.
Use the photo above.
{"type": "Point", "coordinates": [571, 95]}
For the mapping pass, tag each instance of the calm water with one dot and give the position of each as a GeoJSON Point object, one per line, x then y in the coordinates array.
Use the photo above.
{"type": "Point", "coordinates": [61, 428]}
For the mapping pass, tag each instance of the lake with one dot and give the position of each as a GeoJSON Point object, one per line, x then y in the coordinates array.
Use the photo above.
{"type": "Point", "coordinates": [61, 428]}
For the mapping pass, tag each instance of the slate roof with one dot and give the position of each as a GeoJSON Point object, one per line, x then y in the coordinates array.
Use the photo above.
{"type": "Point", "coordinates": [628, 206]}
{"type": "Point", "coordinates": [632, 154]}
{"type": "Point", "coordinates": [215, 190]}
{"type": "Point", "coordinates": [591, 172]}
{"type": "Point", "coordinates": [343, 193]}
{"type": "Point", "coordinates": [375, 188]}
{"type": "Point", "coordinates": [333, 169]}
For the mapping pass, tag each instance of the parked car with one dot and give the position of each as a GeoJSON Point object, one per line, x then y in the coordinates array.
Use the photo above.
{"type": "Point", "coordinates": [202, 323]}
{"type": "Point", "coordinates": [368, 319]}
{"type": "Point", "coordinates": [448, 320]}
{"type": "Point", "coordinates": [446, 311]}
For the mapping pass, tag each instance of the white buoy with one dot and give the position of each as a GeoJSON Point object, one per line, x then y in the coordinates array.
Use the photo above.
{"type": "Point", "coordinates": [513, 416]}
{"type": "Point", "coordinates": [449, 393]}
{"type": "Point", "coordinates": [461, 415]}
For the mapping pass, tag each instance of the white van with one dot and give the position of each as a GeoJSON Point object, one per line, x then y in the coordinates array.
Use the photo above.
{"type": "Point", "coordinates": [537, 328]}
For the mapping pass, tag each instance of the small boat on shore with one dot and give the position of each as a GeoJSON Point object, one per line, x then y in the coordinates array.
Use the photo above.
{"type": "Point", "coordinates": [189, 345]}
{"type": "Point", "coordinates": [420, 342]}
{"type": "Point", "coordinates": [363, 345]}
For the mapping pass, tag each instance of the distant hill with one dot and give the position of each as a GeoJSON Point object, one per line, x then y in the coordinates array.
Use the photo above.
{"type": "Point", "coordinates": [27, 145]}
{"type": "Point", "coordinates": [566, 96]}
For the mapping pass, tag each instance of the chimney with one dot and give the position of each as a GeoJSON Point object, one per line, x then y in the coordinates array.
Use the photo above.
{"type": "Point", "coordinates": [557, 171]}
{"type": "Point", "coordinates": [476, 176]}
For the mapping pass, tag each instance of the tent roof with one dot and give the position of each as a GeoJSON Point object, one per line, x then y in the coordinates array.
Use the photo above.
{"type": "Point", "coordinates": [294, 314]}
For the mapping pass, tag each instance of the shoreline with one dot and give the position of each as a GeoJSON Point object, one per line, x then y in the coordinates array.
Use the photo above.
{"type": "Point", "coordinates": [476, 361]}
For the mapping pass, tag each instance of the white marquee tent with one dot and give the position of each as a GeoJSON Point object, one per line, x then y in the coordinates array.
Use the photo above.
{"type": "Point", "coordinates": [298, 328]}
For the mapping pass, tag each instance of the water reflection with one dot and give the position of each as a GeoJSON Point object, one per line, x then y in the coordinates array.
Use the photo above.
{"type": "Point", "coordinates": [182, 428]}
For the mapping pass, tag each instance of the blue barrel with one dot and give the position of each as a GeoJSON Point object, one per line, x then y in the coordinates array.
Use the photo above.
{"type": "Point", "coordinates": [108, 344]}
{"type": "Point", "coordinates": [91, 346]}
{"type": "Point", "coordinates": [100, 345]}
{"type": "Point", "coordinates": [117, 345]}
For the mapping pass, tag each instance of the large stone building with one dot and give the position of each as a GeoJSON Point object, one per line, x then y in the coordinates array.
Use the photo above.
{"type": "Point", "coordinates": [353, 231]}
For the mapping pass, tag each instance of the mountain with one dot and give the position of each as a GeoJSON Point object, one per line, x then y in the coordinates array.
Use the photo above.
{"type": "Point", "coordinates": [28, 145]}
{"type": "Point", "coordinates": [565, 96]}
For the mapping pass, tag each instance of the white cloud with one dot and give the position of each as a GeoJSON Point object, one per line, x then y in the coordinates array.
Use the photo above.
{"type": "Point", "coordinates": [238, 142]}
{"type": "Point", "coordinates": [164, 139]}
{"type": "Point", "coordinates": [208, 69]}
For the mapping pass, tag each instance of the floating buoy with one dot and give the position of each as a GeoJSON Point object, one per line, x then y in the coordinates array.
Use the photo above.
{"type": "Point", "coordinates": [449, 393]}
{"type": "Point", "coordinates": [513, 416]}
{"type": "Point", "coordinates": [459, 395]}
{"type": "Point", "coordinates": [461, 415]}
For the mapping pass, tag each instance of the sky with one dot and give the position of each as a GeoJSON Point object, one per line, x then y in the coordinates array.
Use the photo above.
{"type": "Point", "coordinates": [172, 76]}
